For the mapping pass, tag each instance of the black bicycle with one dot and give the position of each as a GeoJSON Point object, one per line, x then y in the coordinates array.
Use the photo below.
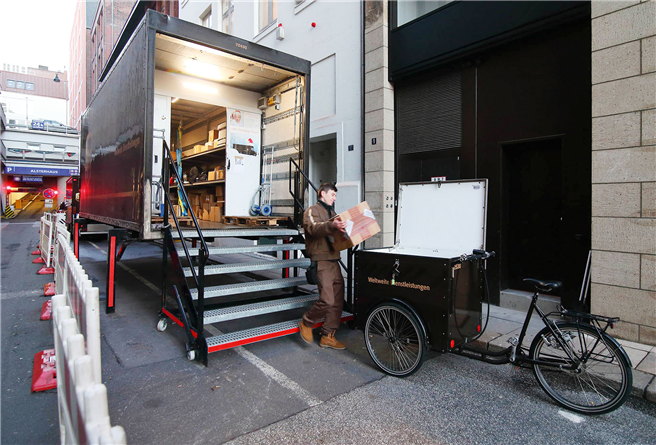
{"type": "Point", "coordinates": [575, 360]}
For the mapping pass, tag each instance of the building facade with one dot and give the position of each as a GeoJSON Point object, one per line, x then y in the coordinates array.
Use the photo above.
{"type": "Point", "coordinates": [624, 166]}
{"type": "Point", "coordinates": [509, 91]}
{"type": "Point", "coordinates": [79, 86]}
{"type": "Point", "coordinates": [33, 93]}
{"type": "Point", "coordinates": [330, 36]}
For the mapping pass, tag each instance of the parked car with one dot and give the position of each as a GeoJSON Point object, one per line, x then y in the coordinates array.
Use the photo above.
{"type": "Point", "coordinates": [50, 125]}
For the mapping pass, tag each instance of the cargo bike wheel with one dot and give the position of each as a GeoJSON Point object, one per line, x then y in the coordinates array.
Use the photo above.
{"type": "Point", "coordinates": [599, 378]}
{"type": "Point", "coordinates": [395, 339]}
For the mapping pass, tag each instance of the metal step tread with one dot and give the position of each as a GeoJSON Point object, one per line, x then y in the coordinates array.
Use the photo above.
{"type": "Point", "coordinates": [248, 267]}
{"type": "Point", "coordinates": [251, 286]}
{"type": "Point", "coordinates": [236, 232]}
{"type": "Point", "coordinates": [260, 248]}
{"type": "Point", "coordinates": [260, 333]}
{"type": "Point", "coordinates": [253, 309]}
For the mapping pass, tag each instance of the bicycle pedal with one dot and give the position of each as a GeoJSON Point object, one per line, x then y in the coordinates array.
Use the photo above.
{"type": "Point", "coordinates": [513, 341]}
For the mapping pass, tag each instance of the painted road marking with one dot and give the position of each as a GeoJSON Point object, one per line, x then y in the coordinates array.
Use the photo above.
{"type": "Point", "coordinates": [260, 364]}
{"type": "Point", "coordinates": [133, 272]}
{"type": "Point", "coordinates": [571, 417]}
{"type": "Point", "coordinates": [271, 372]}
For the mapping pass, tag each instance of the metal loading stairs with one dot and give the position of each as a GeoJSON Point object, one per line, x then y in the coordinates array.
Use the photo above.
{"type": "Point", "coordinates": [194, 302]}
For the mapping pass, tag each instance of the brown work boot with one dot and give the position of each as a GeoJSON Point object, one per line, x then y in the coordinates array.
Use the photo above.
{"type": "Point", "coordinates": [306, 333]}
{"type": "Point", "coordinates": [329, 341]}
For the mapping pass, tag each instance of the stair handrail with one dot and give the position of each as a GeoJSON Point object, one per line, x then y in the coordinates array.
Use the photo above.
{"type": "Point", "coordinates": [298, 215]}
{"type": "Point", "coordinates": [204, 250]}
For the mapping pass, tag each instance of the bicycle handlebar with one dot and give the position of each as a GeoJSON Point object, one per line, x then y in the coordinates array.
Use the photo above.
{"type": "Point", "coordinates": [477, 254]}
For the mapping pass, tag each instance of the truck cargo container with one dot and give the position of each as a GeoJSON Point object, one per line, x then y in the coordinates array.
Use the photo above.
{"type": "Point", "coordinates": [172, 77]}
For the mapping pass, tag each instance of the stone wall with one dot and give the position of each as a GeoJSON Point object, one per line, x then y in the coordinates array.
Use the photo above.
{"type": "Point", "coordinates": [624, 166]}
{"type": "Point", "coordinates": [378, 123]}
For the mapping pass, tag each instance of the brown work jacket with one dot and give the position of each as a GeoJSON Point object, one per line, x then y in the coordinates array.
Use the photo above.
{"type": "Point", "coordinates": [317, 233]}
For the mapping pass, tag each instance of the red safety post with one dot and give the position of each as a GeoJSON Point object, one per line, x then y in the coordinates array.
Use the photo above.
{"type": "Point", "coordinates": [49, 289]}
{"type": "Point", "coordinates": [115, 237]}
{"type": "Point", "coordinates": [38, 261]}
{"type": "Point", "coordinates": [76, 240]}
{"type": "Point", "coordinates": [44, 372]}
{"type": "Point", "coordinates": [111, 259]}
{"type": "Point", "coordinates": [46, 310]}
{"type": "Point", "coordinates": [46, 270]}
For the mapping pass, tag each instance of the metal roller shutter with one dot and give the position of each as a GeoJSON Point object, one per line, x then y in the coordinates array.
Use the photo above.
{"type": "Point", "coordinates": [429, 113]}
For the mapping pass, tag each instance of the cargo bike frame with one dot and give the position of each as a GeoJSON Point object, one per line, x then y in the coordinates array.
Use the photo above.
{"type": "Point", "coordinates": [575, 361]}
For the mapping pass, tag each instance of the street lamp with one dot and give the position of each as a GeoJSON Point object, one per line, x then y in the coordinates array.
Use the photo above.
{"type": "Point", "coordinates": [56, 79]}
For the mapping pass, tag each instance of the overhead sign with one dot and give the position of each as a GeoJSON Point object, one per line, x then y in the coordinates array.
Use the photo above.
{"type": "Point", "coordinates": [37, 179]}
{"type": "Point", "coordinates": [44, 171]}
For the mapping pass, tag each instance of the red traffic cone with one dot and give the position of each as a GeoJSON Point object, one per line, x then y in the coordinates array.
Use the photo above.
{"type": "Point", "coordinates": [46, 270]}
{"type": "Point", "coordinates": [36, 252]}
{"type": "Point", "coordinates": [38, 260]}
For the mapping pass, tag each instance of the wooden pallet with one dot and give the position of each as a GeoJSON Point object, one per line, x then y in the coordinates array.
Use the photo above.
{"type": "Point", "coordinates": [254, 220]}
{"type": "Point", "coordinates": [183, 220]}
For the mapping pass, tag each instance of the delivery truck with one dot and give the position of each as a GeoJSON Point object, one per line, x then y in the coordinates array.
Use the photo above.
{"type": "Point", "coordinates": [174, 144]}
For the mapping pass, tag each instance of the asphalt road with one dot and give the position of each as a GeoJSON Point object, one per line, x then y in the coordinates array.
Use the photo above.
{"type": "Point", "coordinates": [279, 391]}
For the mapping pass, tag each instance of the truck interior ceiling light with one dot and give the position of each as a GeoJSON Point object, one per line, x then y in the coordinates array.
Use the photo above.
{"type": "Point", "coordinates": [200, 88]}
{"type": "Point", "coordinates": [202, 69]}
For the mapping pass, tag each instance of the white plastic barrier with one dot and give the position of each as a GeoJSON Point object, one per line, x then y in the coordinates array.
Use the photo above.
{"type": "Point", "coordinates": [50, 223]}
{"type": "Point", "coordinates": [83, 408]}
{"type": "Point", "coordinates": [45, 239]}
{"type": "Point", "coordinates": [80, 295]}
{"type": "Point", "coordinates": [63, 241]}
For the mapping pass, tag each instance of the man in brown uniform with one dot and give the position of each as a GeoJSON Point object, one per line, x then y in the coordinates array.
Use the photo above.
{"type": "Point", "coordinates": [318, 227]}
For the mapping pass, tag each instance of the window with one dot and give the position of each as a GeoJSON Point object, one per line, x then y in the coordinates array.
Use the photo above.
{"type": "Point", "coordinates": [20, 85]}
{"type": "Point", "coordinates": [407, 11]}
{"type": "Point", "coordinates": [206, 17]}
{"type": "Point", "coordinates": [268, 12]}
{"type": "Point", "coordinates": [29, 86]}
{"type": "Point", "coordinates": [228, 21]}
{"type": "Point", "coordinates": [11, 83]}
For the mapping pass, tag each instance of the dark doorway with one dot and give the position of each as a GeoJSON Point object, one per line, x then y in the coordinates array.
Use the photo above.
{"type": "Point", "coordinates": [534, 196]}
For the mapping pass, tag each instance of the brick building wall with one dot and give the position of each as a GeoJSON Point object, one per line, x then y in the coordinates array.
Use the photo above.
{"type": "Point", "coordinates": [108, 23]}
{"type": "Point", "coordinates": [624, 166]}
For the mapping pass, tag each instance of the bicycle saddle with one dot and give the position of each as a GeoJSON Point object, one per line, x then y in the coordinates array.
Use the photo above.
{"type": "Point", "coordinates": [544, 286]}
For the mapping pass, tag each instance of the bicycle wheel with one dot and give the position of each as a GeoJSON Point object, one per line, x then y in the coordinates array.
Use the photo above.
{"type": "Point", "coordinates": [601, 379]}
{"type": "Point", "coordinates": [395, 339]}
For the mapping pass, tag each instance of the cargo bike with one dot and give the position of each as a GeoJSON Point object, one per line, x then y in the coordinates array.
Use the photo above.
{"type": "Point", "coordinates": [427, 292]}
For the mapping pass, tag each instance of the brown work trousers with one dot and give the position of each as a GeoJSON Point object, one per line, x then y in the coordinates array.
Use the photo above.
{"type": "Point", "coordinates": [331, 298]}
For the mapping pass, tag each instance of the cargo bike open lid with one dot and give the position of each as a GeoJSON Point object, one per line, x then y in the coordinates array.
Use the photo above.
{"type": "Point", "coordinates": [441, 219]}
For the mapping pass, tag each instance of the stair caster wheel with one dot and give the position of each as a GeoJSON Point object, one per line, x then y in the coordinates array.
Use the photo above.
{"type": "Point", "coordinates": [162, 324]}
{"type": "Point", "coordinates": [192, 354]}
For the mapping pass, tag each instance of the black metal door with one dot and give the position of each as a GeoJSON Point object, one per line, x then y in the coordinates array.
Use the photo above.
{"type": "Point", "coordinates": [534, 211]}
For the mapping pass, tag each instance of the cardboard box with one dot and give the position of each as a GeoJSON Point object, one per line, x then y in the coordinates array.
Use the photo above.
{"type": "Point", "coordinates": [216, 212]}
{"type": "Point", "coordinates": [220, 173]}
{"type": "Point", "coordinates": [218, 143]}
{"type": "Point", "coordinates": [198, 148]}
{"type": "Point", "coordinates": [219, 192]}
{"type": "Point", "coordinates": [211, 176]}
{"type": "Point", "coordinates": [205, 214]}
{"type": "Point", "coordinates": [214, 134]}
{"type": "Point", "coordinates": [360, 225]}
